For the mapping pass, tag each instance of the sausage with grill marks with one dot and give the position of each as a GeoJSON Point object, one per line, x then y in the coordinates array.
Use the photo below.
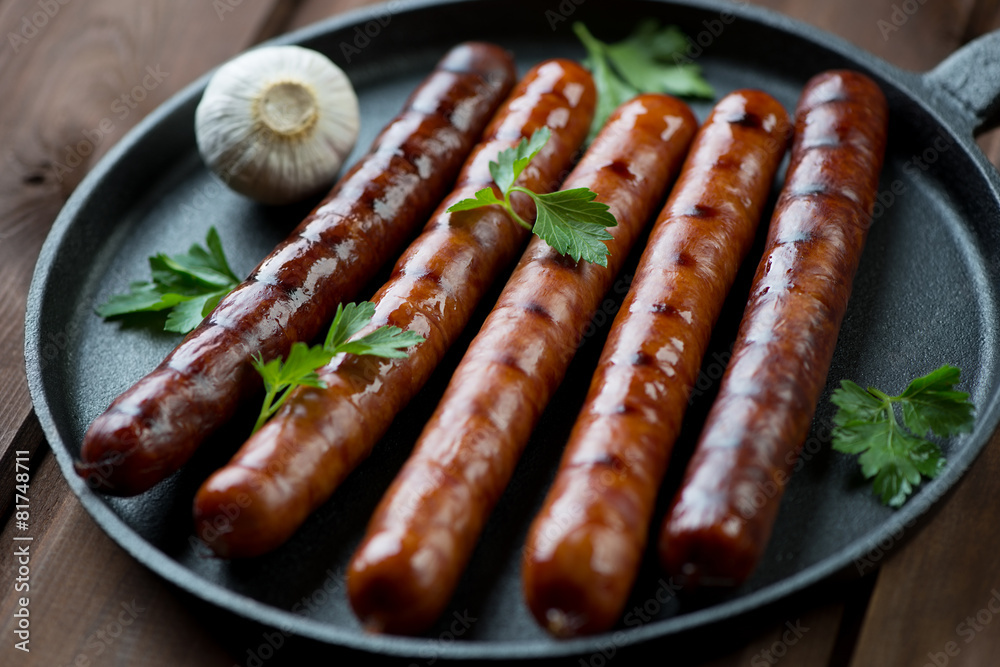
{"type": "Point", "coordinates": [585, 545]}
{"type": "Point", "coordinates": [722, 516]}
{"type": "Point", "coordinates": [294, 463]}
{"type": "Point", "coordinates": [154, 427]}
{"type": "Point", "coordinates": [427, 525]}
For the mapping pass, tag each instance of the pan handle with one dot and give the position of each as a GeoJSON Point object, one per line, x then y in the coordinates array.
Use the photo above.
{"type": "Point", "coordinates": [970, 77]}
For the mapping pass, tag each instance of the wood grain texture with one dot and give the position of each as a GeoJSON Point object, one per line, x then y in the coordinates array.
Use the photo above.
{"type": "Point", "coordinates": [916, 37]}
{"type": "Point", "coordinates": [89, 598]}
{"type": "Point", "coordinates": [943, 587]}
{"type": "Point", "coordinates": [807, 638]}
{"type": "Point", "coordinates": [61, 82]}
{"type": "Point", "coordinates": [310, 11]}
{"type": "Point", "coordinates": [69, 94]}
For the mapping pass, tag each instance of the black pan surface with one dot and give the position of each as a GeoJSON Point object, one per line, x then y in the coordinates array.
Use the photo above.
{"type": "Point", "coordinates": [926, 294]}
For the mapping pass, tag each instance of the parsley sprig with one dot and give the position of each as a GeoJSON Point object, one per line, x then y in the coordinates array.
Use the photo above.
{"type": "Point", "coordinates": [895, 454]}
{"type": "Point", "coordinates": [299, 368]}
{"type": "Point", "coordinates": [570, 221]}
{"type": "Point", "coordinates": [188, 285]}
{"type": "Point", "coordinates": [649, 60]}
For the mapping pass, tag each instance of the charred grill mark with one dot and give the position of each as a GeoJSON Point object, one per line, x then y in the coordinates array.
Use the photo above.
{"type": "Point", "coordinates": [620, 169]}
{"type": "Point", "coordinates": [608, 461]}
{"type": "Point", "coordinates": [701, 211]}
{"type": "Point", "coordinates": [684, 259]}
{"type": "Point", "coordinates": [641, 359]}
{"type": "Point", "coordinates": [746, 119]}
{"type": "Point", "coordinates": [429, 276]}
{"type": "Point", "coordinates": [508, 361]}
{"type": "Point", "coordinates": [664, 309]}
{"type": "Point", "coordinates": [809, 190]}
{"type": "Point", "coordinates": [537, 309]}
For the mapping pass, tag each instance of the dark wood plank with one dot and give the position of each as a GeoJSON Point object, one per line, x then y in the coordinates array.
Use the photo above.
{"type": "Point", "coordinates": [802, 639]}
{"type": "Point", "coordinates": [89, 598]}
{"type": "Point", "coordinates": [909, 33]}
{"type": "Point", "coordinates": [942, 590]}
{"type": "Point", "coordinates": [69, 95]}
{"type": "Point", "coordinates": [63, 108]}
{"type": "Point", "coordinates": [311, 11]}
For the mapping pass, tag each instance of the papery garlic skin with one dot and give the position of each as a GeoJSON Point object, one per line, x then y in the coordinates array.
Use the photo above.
{"type": "Point", "coordinates": [276, 123]}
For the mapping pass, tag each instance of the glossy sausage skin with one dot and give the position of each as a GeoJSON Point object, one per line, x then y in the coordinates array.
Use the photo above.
{"type": "Point", "coordinates": [153, 428]}
{"type": "Point", "coordinates": [427, 525]}
{"type": "Point", "coordinates": [722, 516]}
{"type": "Point", "coordinates": [585, 545]}
{"type": "Point", "coordinates": [296, 460]}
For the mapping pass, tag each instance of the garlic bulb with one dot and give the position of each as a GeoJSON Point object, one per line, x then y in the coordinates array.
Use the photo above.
{"type": "Point", "coordinates": [277, 122]}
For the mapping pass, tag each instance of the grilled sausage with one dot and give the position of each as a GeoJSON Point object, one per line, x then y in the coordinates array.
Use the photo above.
{"type": "Point", "coordinates": [427, 525]}
{"type": "Point", "coordinates": [584, 547]}
{"type": "Point", "coordinates": [153, 428]}
{"type": "Point", "coordinates": [296, 460]}
{"type": "Point", "coordinates": [717, 528]}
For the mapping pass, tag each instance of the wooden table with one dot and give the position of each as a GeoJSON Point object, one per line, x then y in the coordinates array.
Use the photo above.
{"type": "Point", "coordinates": [58, 80]}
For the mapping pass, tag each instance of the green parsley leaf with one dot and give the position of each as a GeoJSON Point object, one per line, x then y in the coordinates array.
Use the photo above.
{"type": "Point", "coordinates": [512, 161]}
{"type": "Point", "coordinates": [570, 221]}
{"type": "Point", "coordinates": [348, 320]}
{"type": "Point", "coordinates": [386, 341]}
{"type": "Point", "coordinates": [930, 404]}
{"type": "Point", "coordinates": [280, 377]}
{"type": "Point", "coordinates": [484, 197]}
{"type": "Point", "coordinates": [651, 59]}
{"type": "Point", "coordinates": [188, 285]}
{"type": "Point", "coordinates": [856, 404]}
{"type": "Point", "coordinates": [685, 80]}
{"type": "Point", "coordinates": [896, 455]}
{"type": "Point", "coordinates": [574, 224]}
{"type": "Point", "coordinates": [141, 297]}
{"type": "Point", "coordinates": [187, 315]}
{"type": "Point", "coordinates": [301, 366]}
{"type": "Point", "coordinates": [612, 90]}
